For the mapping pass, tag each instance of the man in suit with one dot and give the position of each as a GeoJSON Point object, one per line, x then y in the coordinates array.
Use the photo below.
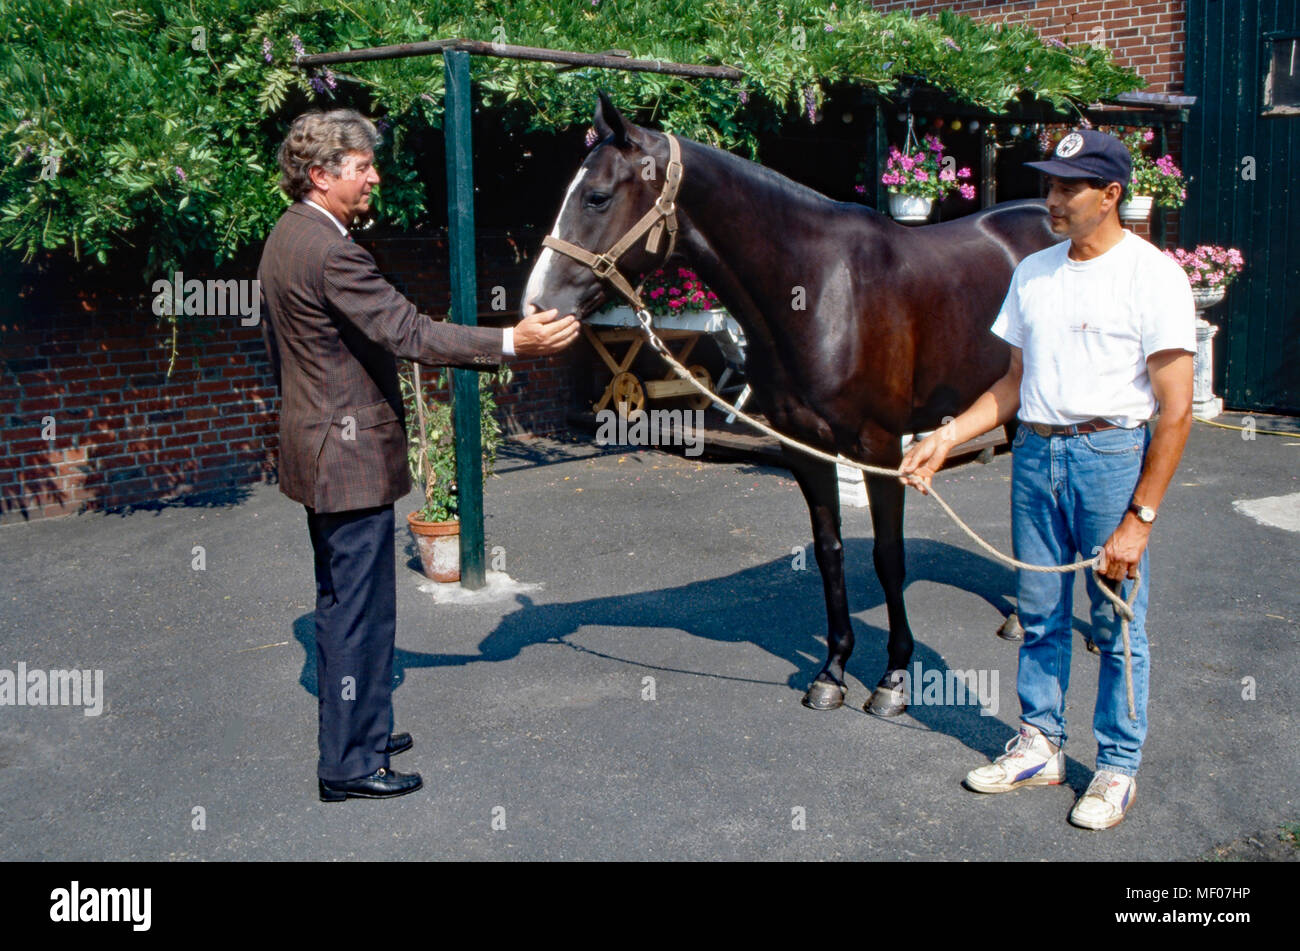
{"type": "Point", "coordinates": [333, 326]}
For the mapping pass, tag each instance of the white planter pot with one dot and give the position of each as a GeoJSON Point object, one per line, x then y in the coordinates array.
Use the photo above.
{"type": "Point", "coordinates": [1207, 297]}
{"type": "Point", "coordinates": [1204, 403]}
{"type": "Point", "coordinates": [1137, 208]}
{"type": "Point", "coordinates": [909, 209]}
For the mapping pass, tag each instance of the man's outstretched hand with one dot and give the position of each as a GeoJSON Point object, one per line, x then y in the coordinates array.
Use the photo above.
{"type": "Point", "coordinates": [541, 333]}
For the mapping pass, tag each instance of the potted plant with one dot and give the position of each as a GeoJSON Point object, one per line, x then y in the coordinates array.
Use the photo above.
{"type": "Point", "coordinates": [676, 291]}
{"type": "Point", "coordinates": [431, 455]}
{"type": "Point", "coordinates": [1158, 182]}
{"type": "Point", "coordinates": [918, 179]}
{"type": "Point", "coordinates": [1209, 269]}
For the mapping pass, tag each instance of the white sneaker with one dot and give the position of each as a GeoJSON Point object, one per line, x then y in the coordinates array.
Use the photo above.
{"type": "Point", "coordinates": [1106, 802]}
{"type": "Point", "coordinates": [1030, 760]}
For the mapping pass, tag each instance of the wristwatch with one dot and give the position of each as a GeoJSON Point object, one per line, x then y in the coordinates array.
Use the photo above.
{"type": "Point", "coordinates": [1145, 513]}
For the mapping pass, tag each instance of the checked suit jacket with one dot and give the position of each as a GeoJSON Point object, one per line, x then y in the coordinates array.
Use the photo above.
{"type": "Point", "coordinates": [333, 327]}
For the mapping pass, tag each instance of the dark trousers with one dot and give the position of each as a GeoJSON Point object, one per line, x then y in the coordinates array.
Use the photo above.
{"type": "Point", "coordinates": [356, 620]}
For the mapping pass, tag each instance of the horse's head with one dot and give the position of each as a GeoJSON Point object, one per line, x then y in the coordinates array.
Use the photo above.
{"type": "Point", "coordinates": [619, 182]}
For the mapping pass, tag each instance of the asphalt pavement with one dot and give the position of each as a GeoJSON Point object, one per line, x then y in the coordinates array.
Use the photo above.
{"type": "Point", "coordinates": [638, 697]}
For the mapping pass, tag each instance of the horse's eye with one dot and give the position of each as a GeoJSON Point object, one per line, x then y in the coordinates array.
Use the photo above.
{"type": "Point", "coordinates": [597, 200]}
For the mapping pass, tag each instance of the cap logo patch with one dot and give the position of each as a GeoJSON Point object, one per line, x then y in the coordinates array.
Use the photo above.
{"type": "Point", "coordinates": [1070, 145]}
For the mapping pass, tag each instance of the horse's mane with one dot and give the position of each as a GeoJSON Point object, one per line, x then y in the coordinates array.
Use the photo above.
{"type": "Point", "coordinates": [767, 184]}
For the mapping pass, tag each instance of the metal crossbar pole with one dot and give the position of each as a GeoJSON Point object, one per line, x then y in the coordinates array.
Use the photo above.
{"type": "Point", "coordinates": [509, 51]}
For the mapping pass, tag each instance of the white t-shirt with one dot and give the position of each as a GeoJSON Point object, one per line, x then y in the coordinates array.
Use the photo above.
{"type": "Point", "coordinates": [1086, 329]}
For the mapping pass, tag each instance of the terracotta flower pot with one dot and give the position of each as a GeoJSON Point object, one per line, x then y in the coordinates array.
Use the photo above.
{"type": "Point", "coordinates": [439, 544]}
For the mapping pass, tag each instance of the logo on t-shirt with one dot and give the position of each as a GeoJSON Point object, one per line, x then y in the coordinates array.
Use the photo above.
{"type": "Point", "coordinates": [1070, 145]}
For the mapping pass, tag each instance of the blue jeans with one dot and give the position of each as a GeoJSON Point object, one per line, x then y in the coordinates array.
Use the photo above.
{"type": "Point", "coordinates": [1068, 494]}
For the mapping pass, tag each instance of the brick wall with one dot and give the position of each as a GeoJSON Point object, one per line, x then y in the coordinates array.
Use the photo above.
{"type": "Point", "coordinates": [87, 366]}
{"type": "Point", "coordinates": [84, 350]}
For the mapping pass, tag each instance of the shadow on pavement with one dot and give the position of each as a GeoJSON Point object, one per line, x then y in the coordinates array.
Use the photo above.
{"type": "Point", "coordinates": [754, 606]}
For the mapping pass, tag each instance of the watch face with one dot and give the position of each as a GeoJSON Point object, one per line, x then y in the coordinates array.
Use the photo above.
{"type": "Point", "coordinates": [1145, 514]}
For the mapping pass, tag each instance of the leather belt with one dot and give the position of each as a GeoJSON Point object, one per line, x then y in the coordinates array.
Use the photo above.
{"type": "Point", "coordinates": [1094, 425]}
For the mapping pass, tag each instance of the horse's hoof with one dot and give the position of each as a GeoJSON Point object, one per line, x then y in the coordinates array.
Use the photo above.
{"type": "Point", "coordinates": [824, 696]}
{"type": "Point", "coordinates": [888, 699]}
{"type": "Point", "coordinates": [1011, 629]}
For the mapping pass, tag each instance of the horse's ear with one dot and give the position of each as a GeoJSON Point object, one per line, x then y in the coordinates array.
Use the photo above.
{"type": "Point", "coordinates": [609, 122]}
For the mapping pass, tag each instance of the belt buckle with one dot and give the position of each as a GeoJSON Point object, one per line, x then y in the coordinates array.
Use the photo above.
{"type": "Point", "coordinates": [1041, 429]}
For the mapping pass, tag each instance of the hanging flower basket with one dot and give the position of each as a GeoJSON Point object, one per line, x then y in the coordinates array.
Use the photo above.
{"type": "Point", "coordinates": [1137, 208]}
{"type": "Point", "coordinates": [909, 208]}
{"type": "Point", "coordinates": [921, 176]}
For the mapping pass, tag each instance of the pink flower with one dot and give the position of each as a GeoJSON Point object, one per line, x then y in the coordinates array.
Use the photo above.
{"type": "Point", "coordinates": [963, 173]}
{"type": "Point", "coordinates": [967, 191]}
{"type": "Point", "coordinates": [1148, 136]}
{"type": "Point", "coordinates": [947, 175]}
{"type": "Point", "coordinates": [674, 292]}
{"type": "Point", "coordinates": [921, 175]}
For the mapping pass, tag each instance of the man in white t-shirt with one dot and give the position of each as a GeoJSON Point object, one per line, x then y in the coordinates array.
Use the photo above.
{"type": "Point", "coordinates": [1102, 332]}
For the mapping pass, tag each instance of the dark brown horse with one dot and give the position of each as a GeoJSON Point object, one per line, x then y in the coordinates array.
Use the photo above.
{"type": "Point", "coordinates": [859, 329]}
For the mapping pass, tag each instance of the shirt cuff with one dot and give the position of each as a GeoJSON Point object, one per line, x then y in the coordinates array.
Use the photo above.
{"type": "Point", "coordinates": [508, 342]}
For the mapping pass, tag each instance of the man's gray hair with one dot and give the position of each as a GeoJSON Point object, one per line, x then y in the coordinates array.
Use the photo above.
{"type": "Point", "coordinates": [322, 139]}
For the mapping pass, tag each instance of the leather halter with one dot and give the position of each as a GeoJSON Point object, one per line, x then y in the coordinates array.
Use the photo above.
{"type": "Point", "coordinates": [662, 217]}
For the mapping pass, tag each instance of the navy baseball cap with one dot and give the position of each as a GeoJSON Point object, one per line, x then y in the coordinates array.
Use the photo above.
{"type": "Point", "coordinates": [1086, 153]}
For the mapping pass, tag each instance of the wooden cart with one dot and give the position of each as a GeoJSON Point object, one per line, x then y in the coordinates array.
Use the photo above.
{"type": "Point", "coordinates": [680, 332]}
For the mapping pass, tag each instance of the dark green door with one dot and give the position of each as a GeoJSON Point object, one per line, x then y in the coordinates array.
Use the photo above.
{"type": "Point", "coordinates": [1243, 193]}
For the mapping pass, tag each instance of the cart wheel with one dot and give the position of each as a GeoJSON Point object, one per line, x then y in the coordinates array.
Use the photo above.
{"type": "Point", "coordinates": [626, 388]}
{"type": "Point", "coordinates": [699, 400]}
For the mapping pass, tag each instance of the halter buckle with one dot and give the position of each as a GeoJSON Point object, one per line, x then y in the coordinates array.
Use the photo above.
{"type": "Point", "coordinates": [603, 265]}
{"type": "Point", "coordinates": [666, 209]}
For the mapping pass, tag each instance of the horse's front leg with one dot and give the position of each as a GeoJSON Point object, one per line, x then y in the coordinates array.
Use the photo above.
{"type": "Point", "coordinates": [821, 491]}
{"type": "Point", "coordinates": [886, 496]}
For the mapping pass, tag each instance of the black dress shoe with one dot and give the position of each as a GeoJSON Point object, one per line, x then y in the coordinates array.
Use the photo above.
{"type": "Point", "coordinates": [398, 743]}
{"type": "Point", "coordinates": [381, 784]}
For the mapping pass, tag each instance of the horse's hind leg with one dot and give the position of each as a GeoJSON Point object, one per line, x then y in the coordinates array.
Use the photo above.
{"type": "Point", "coordinates": [886, 497]}
{"type": "Point", "coordinates": [821, 491]}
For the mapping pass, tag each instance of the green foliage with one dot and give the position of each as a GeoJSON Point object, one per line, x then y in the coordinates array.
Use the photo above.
{"type": "Point", "coordinates": [154, 124]}
{"type": "Point", "coordinates": [439, 453]}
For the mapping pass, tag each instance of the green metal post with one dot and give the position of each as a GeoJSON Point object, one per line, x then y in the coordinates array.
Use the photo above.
{"type": "Point", "coordinates": [464, 310]}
